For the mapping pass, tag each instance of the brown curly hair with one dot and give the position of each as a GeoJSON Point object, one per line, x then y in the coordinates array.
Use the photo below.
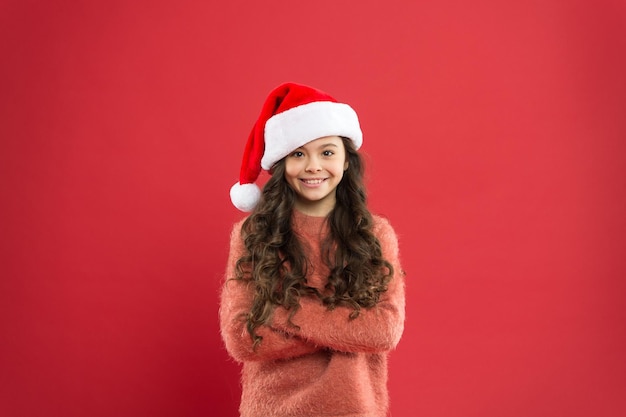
{"type": "Point", "coordinates": [275, 259]}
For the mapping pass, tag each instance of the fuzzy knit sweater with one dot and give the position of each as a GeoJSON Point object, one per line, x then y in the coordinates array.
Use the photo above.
{"type": "Point", "coordinates": [329, 365]}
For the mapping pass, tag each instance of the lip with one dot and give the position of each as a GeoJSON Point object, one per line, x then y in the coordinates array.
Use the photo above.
{"type": "Point", "coordinates": [312, 182]}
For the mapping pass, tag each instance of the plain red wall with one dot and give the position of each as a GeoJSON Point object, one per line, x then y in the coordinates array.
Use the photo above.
{"type": "Point", "coordinates": [495, 140]}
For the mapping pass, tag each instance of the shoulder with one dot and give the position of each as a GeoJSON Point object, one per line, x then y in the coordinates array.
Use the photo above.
{"type": "Point", "coordinates": [235, 232]}
{"type": "Point", "coordinates": [382, 229]}
{"type": "Point", "coordinates": [381, 225]}
{"type": "Point", "coordinates": [238, 224]}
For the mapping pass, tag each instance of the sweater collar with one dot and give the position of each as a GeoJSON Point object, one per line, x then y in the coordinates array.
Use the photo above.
{"type": "Point", "coordinates": [312, 226]}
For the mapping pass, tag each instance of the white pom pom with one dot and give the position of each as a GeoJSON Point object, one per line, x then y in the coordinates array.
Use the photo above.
{"type": "Point", "coordinates": [245, 196]}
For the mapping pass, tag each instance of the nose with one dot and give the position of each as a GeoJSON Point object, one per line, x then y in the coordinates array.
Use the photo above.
{"type": "Point", "coordinates": [313, 165]}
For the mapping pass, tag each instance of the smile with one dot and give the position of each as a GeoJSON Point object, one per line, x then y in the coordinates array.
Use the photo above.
{"type": "Point", "coordinates": [313, 181]}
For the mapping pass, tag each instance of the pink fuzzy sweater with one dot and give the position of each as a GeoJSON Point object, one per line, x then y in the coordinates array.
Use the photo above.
{"type": "Point", "coordinates": [332, 366]}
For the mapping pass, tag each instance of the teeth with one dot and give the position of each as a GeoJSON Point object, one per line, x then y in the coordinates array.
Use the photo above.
{"type": "Point", "coordinates": [312, 182]}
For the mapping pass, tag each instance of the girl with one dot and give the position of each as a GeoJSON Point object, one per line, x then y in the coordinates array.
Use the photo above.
{"type": "Point", "coordinates": [313, 299]}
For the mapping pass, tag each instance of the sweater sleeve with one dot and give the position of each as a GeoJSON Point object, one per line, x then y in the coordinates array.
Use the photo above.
{"type": "Point", "coordinates": [236, 301]}
{"type": "Point", "coordinates": [376, 329]}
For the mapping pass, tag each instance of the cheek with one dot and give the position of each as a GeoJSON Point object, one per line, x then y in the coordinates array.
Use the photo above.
{"type": "Point", "coordinates": [291, 170]}
{"type": "Point", "coordinates": [340, 168]}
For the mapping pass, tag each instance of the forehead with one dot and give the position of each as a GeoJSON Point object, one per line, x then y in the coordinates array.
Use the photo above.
{"type": "Point", "coordinates": [326, 141]}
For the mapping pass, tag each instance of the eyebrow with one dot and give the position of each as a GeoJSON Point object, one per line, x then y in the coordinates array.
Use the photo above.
{"type": "Point", "coordinates": [323, 145]}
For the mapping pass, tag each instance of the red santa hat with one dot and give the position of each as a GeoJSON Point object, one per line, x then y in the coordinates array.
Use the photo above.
{"type": "Point", "coordinates": [292, 115]}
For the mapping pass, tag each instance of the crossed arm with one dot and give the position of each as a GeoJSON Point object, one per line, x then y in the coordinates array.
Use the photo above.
{"type": "Point", "coordinates": [313, 327]}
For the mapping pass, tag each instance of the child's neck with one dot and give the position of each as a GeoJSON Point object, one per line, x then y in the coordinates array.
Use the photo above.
{"type": "Point", "coordinates": [314, 209]}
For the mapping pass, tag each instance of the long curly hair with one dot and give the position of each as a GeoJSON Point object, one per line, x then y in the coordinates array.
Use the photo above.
{"type": "Point", "coordinates": [276, 263]}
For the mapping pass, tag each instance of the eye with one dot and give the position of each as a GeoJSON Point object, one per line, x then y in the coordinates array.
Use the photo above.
{"type": "Point", "coordinates": [297, 154]}
{"type": "Point", "coordinates": [328, 153]}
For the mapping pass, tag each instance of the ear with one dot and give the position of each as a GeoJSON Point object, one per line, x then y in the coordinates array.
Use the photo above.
{"type": "Point", "coordinates": [345, 165]}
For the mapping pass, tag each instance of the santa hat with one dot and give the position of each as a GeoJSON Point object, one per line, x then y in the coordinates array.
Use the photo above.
{"type": "Point", "coordinates": [292, 115]}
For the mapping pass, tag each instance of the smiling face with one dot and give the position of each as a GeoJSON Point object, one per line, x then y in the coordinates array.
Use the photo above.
{"type": "Point", "coordinates": [313, 171]}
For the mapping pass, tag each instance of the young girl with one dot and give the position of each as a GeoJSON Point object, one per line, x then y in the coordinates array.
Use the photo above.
{"type": "Point", "coordinates": [313, 299]}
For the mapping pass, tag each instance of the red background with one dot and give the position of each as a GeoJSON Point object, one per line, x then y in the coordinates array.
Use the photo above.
{"type": "Point", "coordinates": [495, 140]}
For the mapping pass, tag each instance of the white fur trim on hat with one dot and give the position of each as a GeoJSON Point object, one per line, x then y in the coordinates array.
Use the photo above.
{"type": "Point", "coordinates": [299, 125]}
{"type": "Point", "coordinates": [245, 196]}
